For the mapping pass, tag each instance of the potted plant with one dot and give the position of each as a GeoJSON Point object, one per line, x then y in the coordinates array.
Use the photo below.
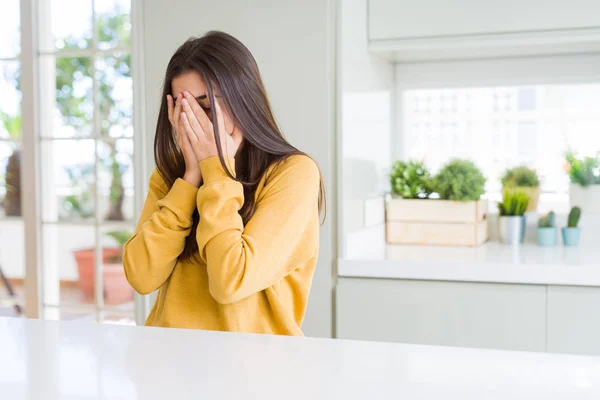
{"type": "Point", "coordinates": [12, 198]}
{"type": "Point", "coordinates": [457, 218]}
{"type": "Point", "coordinates": [512, 222]}
{"type": "Point", "coordinates": [410, 180]}
{"type": "Point", "coordinates": [116, 288]}
{"type": "Point", "coordinates": [571, 232]}
{"type": "Point", "coordinates": [584, 174]}
{"type": "Point", "coordinates": [523, 179]}
{"type": "Point", "coordinates": [546, 230]}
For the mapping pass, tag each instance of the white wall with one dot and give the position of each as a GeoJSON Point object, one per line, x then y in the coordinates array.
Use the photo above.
{"type": "Point", "coordinates": [293, 43]}
{"type": "Point", "coordinates": [367, 95]}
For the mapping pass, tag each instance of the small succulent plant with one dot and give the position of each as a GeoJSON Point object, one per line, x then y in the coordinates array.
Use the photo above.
{"type": "Point", "coordinates": [547, 221]}
{"type": "Point", "coordinates": [574, 216]}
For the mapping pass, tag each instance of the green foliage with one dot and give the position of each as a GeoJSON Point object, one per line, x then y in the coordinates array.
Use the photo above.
{"type": "Point", "coordinates": [80, 204]}
{"type": "Point", "coordinates": [74, 99]}
{"type": "Point", "coordinates": [121, 237]}
{"type": "Point", "coordinates": [12, 124]}
{"type": "Point", "coordinates": [547, 221]}
{"type": "Point", "coordinates": [411, 180]}
{"type": "Point", "coordinates": [513, 204]}
{"type": "Point", "coordinates": [574, 216]}
{"type": "Point", "coordinates": [520, 177]}
{"type": "Point", "coordinates": [459, 180]}
{"type": "Point", "coordinates": [583, 171]}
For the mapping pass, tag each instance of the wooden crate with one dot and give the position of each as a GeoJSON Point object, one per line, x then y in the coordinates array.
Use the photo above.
{"type": "Point", "coordinates": [436, 222]}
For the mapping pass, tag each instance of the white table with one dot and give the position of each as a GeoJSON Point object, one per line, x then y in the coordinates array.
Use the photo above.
{"type": "Point", "coordinates": [75, 360]}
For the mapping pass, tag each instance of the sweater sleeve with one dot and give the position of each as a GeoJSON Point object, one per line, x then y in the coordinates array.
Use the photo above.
{"type": "Point", "coordinates": [281, 236]}
{"type": "Point", "coordinates": [166, 220]}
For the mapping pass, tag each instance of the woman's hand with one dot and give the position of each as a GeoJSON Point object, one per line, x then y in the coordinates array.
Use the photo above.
{"type": "Point", "coordinates": [192, 169]}
{"type": "Point", "coordinates": [199, 130]}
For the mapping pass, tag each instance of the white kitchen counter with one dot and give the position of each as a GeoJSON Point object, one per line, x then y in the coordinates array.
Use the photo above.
{"type": "Point", "coordinates": [75, 360]}
{"type": "Point", "coordinates": [491, 262]}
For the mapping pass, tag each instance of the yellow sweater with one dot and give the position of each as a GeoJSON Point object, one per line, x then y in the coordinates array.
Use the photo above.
{"type": "Point", "coordinates": [253, 278]}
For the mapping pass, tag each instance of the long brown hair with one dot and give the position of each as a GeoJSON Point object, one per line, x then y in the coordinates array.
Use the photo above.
{"type": "Point", "coordinates": [224, 62]}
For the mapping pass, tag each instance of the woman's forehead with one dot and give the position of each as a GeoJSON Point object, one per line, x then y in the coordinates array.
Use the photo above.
{"type": "Point", "coordinates": [192, 82]}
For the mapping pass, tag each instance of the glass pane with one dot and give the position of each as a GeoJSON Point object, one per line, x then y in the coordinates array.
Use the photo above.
{"type": "Point", "coordinates": [525, 125]}
{"type": "Point", "coordinates": [10, 100]}
{"type": "Point", "coordinates": [10, 26]}
{"type": "Point", "coordinates": [115, 95]}
{"type": "Point", "coordinates": [12, 266]}
{"type": "Point", "coordinates": [113, 23]}
{"type": "Point", "coordinates": [115, 179]}
{"type": "Point", "coordinates": [117, 291]}
{"type": "Point", "coordinates": [67, 168]}
{"type": "Point", "coordinates": [67, 95]}
{"type": "Point", "coordinates": [69, 26]}
{"type": "Point", "coordinates": [68, 264]}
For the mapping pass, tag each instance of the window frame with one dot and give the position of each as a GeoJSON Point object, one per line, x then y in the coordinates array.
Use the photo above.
{"type": "Point", "coordinates": [31, 15]}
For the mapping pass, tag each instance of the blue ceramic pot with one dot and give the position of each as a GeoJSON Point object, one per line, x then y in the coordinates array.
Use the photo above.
{"type": "Point", "coordinates": [571, 236]}
{"type": "Point", "coordinates": [546, 237]}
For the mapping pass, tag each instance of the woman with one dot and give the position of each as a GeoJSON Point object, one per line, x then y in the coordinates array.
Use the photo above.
{"type": "Point", "coordinates": [229, 232]}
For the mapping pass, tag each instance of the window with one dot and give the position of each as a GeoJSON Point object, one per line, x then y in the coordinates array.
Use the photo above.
{"type": "Point", "coordinates": [504, 126]}
{"type": "Point", "coordinates": [84, 135]}
{"type": "Point", "coordinates": [12, 266]}
{"type": "Point", "coordinates": [86, 147]}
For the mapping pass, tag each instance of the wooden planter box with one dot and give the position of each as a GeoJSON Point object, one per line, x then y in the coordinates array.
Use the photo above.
{"type": "Point", "coordinates": [436, 222]}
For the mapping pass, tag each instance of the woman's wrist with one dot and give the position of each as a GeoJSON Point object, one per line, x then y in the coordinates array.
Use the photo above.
{"type": "Point", "coordinates": [194, 179]}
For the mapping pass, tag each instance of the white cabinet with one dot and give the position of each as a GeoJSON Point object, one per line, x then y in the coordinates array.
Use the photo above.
{"type": "Point", "coordinates": [555, 319]}
{"type": "Point", "coordinates": [574, 319]}
{"type": "Point", "coordinates": [498, 316]}
{"type": "Point", "coordinates": [398, 19]}
{"type": "Point", "coordinates": [426, 30]}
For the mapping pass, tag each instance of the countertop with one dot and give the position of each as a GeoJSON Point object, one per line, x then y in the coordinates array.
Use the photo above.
{"type": "Point", "coordinates": [78, 360]}
{"type": "Point", "coordinates": [491, 262]}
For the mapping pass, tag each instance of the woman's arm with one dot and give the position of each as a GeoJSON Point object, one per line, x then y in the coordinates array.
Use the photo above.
{"type": "Point", "coordinates": [281, 236]}
{"type": "Point", "coordinates": [166, 220]}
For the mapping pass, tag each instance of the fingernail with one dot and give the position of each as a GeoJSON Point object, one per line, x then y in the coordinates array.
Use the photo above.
{"type": "Point", "coordinates": [183, 116]}
{"type": "Point", "coordinates": [186, 94]}
{"type": "Point", "coordinates": [184, 102]}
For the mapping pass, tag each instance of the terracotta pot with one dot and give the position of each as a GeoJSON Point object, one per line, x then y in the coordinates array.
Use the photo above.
{"type": "Point", "coordinates": [116, 287]}
{"type": "Point", "coordinates": [532, 192]}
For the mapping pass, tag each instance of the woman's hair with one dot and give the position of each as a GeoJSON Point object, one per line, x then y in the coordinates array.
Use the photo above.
{"type": "Point", "coordinates": [224, 62]}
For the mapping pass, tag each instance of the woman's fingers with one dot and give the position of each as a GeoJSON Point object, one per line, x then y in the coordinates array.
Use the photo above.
{"type": "Point", "coordinates": [198, 111]}
{"type": "Point", "coordinates": [190, 134]}
{"type": "Point", "coordinates": [192, 120]}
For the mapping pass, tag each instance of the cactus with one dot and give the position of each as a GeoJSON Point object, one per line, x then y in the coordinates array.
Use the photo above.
{"type": "Point", "coordinates": [574, 216]}
{"type": "Point", "coordinates": [547, 221]}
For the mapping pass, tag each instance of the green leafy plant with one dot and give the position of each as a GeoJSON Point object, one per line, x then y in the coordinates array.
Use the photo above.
{"type": "Point", "coordinates": [583, 171]}
{"type": "Point", "coordinates": [547, 221]}
{"type": "Point", "coordinates": [121, 237]}
{"type": "Point", "coordinates": [411, 180]}
{"type": "Point", "coordinates": [513, 204]}
{"type": "Point", "coordinates": [521, 176]}
{"type": "Point", "coordinates": [459, 180]}
{"type": "Point", "coordinates": [574, 216]}
{"type": "Point", "coordinates": [12, 173]}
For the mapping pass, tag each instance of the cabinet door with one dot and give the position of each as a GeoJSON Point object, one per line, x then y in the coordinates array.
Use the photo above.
{"type": "Point", "coordinates": [574, 320]}
{"type": "Point", "coordinates": [482, 315]}
{"type": "Point", "coordinates": [405, 19]}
